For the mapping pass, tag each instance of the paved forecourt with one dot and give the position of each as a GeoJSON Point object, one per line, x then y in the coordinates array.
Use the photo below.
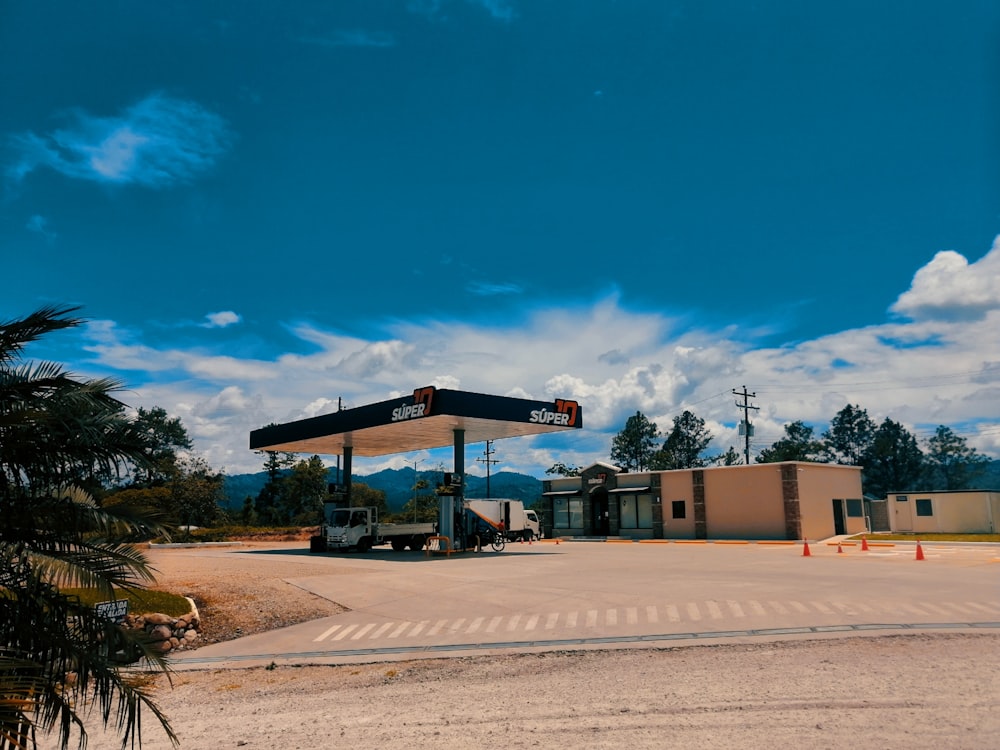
{"type": "Point", "coordinates": [548, 596]}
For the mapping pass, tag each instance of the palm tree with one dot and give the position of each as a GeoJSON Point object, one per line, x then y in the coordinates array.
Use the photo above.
{"type": "Point", "coordinates": [60, 435]}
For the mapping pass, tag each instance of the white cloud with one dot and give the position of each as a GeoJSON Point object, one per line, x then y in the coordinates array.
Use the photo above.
{"type": "Point", "coordinates": [157, 142]}
{"type": "Point", "coordinates": [40, 225]}
{"type": "Point", "coordinates": [221, 319]}
{"type": "Point", "coordinates": [487, 289]}
{"type": "Point", "coordinates": [612, 360]}
{"type": "Point", "coordinates": [501, 10]}
{"type": "Point", "coordinates": [950, 288]}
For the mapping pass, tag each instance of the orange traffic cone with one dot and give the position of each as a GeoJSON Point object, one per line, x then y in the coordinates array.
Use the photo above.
{"type": "Point", "coordinates": [840, 550]}
{"type": "Point", "coordinates": [557, 540]}
{"type": "Point", "coordinates": [805, 548]}
{"type": "Point", "coordinates": [864, 543]}
{"type": "Point", "coordinates": [920, 551]}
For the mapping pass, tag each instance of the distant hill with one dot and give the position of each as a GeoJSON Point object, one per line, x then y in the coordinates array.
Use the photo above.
{"type": "Point", "coordinates": [398, 485]}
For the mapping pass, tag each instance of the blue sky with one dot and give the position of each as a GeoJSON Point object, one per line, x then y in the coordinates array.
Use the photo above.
{"type": "Point", "coordinates": [265, 207]}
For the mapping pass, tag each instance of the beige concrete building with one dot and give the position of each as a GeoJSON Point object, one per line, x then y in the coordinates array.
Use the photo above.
{"type": "Point", "coordinates": [791, 500]}
{"type": "Point", "coordinates": [957, 512]}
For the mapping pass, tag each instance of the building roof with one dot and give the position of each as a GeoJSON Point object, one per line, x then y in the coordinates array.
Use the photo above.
{"type": "Point", "coordinates": [426, 419]}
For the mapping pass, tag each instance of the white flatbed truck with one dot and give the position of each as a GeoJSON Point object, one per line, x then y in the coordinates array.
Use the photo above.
{"type": "Point", "coordinates": [360, 529]}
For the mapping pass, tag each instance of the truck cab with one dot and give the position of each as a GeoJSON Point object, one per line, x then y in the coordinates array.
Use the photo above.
{"type": "Point", "coordinates": [351, 527]}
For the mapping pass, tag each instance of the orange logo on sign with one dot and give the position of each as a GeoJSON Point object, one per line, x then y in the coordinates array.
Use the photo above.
{"type": "Point", "coordinates": [568, 407]}
{"type": "Point", "coordinates": [424, 396]}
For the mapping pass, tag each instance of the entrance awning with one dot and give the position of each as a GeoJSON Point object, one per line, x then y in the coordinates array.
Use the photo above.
{"type": "Point", "coordinates": [564, 493]}
{"type": "Point", "coordinates": [629, 491]}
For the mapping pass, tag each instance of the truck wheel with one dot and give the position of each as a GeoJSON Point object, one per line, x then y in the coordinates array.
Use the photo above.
{"type": "Point", "coordinates": [317, 544]}
{"type": "Point", "coordinates": [364, 544]}
{"type": "Point", "coordinates": [527, 535]}
{"type": "Point", "coordinates": [398, 545]}
{"type": "Point", "coordinates": [417, 543]}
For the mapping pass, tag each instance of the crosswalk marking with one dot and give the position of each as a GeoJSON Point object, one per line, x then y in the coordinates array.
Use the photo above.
{"type": "Point", "coordinates": [693, 612]}
{"type": "Point", "coordinates": [361, 633]}
{"type": "Point", "coordinates": [343, 633]}
{"type": "Point", "coordinates": [326, 633]}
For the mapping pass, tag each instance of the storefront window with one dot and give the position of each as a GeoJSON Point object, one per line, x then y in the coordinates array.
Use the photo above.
{"type": "Point", "coordinates": [567, 513]}
{"type": "Point", "coordinates": [635, 511]}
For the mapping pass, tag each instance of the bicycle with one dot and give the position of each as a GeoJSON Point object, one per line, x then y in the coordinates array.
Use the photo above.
{"type": "Point", "coordinates": [498, 541]}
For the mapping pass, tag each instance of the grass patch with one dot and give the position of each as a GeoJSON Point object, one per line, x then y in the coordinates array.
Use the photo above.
{"type": "Point", "coordinates": [139, 602]}
{"type": "Point", "coordinates": [994, 538]}
{"type": "Point", "coordinates": [240, 533]}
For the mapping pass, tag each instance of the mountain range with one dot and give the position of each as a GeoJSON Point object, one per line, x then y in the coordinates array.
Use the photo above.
{"type": "Point", "coordinates": [397, 484]}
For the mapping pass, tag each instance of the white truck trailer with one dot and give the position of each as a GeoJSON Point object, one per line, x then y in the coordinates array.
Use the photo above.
{"type": "Point", "coordinates": [518, 522]}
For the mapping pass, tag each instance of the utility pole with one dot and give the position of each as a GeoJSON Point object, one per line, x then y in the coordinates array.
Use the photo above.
{"type": "Point", "coordinates": [746, 428]}
{"type": "Point", "coordinates": [488, 452]}
{"type": "Point", "coordinates": [415, 462]}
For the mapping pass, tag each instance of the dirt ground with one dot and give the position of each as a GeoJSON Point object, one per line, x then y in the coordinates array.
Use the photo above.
{"type": "Point", "coordinates": [925, 690]}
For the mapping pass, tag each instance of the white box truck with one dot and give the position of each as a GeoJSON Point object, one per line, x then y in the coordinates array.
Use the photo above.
{"type": "Point", "coordinates": [518, 522]}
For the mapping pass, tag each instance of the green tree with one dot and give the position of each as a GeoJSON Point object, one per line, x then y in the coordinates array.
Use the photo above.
{"type": "Point", "coordinates": [363, 496]}
{"type": "Point", "coordinates": [303, 492]}
{"type": "Point", "coordinates": [797, 445]}
{"type": "Point", "coordinates": [950, 464]}
{"type": "Point", "coordinates": [276, 464]}
{"type": "Point", "coordinates": [633, 447]}
{"type": "Point", "coordinates": [731, 457]}
{"type": "Point", "coordinates": [893, 461]}
{"type": "Point", "coordinates": [422, 507]}
{"type": "Point", "coordinates": [685, 444]}
{"type": "Point", "coordinates": [850, 435]}
{"type": "Point", "coordinates": [161, 437]}
{"type": "Point", "coordinates": [196, 493]}
{"type": "Point", "coordinates": [56, 429]}
{"type": "Point", "coordinates": [563, 470]}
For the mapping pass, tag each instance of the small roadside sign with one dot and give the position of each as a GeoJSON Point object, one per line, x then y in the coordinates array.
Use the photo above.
{"type": "Point", "coordinates": [115, 611]}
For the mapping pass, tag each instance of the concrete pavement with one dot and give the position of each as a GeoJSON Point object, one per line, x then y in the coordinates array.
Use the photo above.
{"type": "Point", "coordinates": [548, 596]}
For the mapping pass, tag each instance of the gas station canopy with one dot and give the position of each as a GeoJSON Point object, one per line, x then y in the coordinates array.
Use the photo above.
{"type": "Point", "coordinates": [426, 419]}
